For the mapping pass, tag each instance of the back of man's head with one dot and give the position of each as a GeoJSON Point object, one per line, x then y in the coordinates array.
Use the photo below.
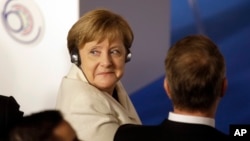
{"type": "Point", "coordinates": [195, 71]}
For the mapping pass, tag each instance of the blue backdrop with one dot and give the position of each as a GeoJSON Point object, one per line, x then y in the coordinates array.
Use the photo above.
{"type": "Point", "coordinates": [226, 22]}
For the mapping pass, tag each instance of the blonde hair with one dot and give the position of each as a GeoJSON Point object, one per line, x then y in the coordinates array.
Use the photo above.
{"type": "Point", "coordinates": [99, 24]}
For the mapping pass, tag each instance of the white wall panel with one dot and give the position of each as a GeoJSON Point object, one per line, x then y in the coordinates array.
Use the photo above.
{"type": "Point", "coordinates": [33, 52]}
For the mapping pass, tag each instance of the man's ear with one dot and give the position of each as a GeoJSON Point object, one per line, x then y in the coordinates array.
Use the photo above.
{"type": "Point", "coordinates": [166, 87]}
{"type": "Point", "coordinates": [224, 87]}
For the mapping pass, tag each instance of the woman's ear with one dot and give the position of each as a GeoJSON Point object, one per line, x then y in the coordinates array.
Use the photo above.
{"type": "Point", "coordinates": [166, 87]}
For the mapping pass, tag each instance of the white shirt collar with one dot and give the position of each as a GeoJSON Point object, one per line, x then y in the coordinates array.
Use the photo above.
{"type": "Point", "coordinates": [191, 119]}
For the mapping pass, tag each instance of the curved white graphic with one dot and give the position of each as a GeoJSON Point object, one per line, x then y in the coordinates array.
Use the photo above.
{"type": "Point", "coordinates": [23, 21]}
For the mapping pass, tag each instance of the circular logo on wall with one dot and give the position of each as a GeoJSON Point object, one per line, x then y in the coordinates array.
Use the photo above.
{"type": "Point", "coordinates": [22, 20]}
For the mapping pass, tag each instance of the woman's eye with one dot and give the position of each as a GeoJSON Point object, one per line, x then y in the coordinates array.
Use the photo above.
{"type": "Point", "coordinates": [115, 52]}
{"type": "Point", "coordinates": [94, 52]}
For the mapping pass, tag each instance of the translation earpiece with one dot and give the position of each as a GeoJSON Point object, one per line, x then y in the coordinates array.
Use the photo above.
{"type": "Point", "coordinates": [129, 56]}
{"type": "Point", "coordinates": [74, 56]}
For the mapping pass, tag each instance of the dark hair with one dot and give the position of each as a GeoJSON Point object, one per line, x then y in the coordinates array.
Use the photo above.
{"type": "Point", "coordinates": [37, 127]}
{"type": "Point", "coordinates": [195, 71]}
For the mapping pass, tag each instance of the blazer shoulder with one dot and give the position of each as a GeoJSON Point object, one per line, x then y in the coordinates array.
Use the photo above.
{"type": "Point", "coordinates": [79, 95]}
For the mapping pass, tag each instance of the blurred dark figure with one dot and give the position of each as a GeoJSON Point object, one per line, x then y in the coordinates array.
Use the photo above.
{"type": "Point", "coordinates": [9, 114]}
{"type": "Point", "coordinates": [48, 125]}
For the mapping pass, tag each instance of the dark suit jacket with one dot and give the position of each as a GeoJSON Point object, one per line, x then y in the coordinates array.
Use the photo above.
{"type": "Point", "coordinates": [169, 130]}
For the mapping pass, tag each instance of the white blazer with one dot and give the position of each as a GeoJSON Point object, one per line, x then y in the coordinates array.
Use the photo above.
{"type": "Point", "coordinates": [94, 114]}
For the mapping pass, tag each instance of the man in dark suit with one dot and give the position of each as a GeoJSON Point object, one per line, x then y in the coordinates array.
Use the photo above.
{"type": "Point", "coordinates": [195, 82]}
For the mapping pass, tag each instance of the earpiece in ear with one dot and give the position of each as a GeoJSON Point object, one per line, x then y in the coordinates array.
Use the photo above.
{"type": "Point", "coordinates": [75, 58]}
{"type": "Point", "coordinates": [129, 56]}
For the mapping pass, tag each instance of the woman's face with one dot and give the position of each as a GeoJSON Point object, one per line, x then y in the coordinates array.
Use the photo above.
{"type": "Point", "coordinates": [103, 63]}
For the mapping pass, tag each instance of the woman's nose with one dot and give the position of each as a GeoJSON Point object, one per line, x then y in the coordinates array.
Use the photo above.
{"type": "Point", "coordinates": [106, 59]}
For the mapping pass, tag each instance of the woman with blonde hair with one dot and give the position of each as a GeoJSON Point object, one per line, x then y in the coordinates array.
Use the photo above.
{"type": "Point", "coordinates": [91, 96]}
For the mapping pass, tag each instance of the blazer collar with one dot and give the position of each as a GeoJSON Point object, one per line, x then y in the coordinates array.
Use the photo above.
{"type": "Point", "coordinates": [124, 101]}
